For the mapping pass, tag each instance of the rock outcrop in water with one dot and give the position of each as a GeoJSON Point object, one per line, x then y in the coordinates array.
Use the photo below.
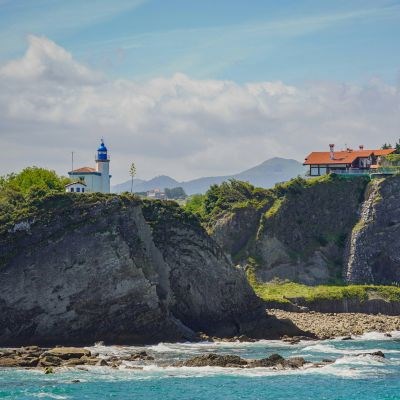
{"type": "Point", "coordinates": [274, 361]}
{"type": "Point", "coordinates": [79, 269]}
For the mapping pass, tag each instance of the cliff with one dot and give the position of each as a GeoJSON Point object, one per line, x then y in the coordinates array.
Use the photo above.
{"type": "Point", "coordinates": [325, 230]}
{"type": "Point", "coordinates": [374, 246]}
{"type": "Point", "coordinates": [79, 269]}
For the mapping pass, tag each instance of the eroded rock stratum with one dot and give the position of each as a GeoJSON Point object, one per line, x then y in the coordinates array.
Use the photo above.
{"type": "Point", "coordinates": [117, 269]}
{"type": "Point", "coordinates": [331, 230]}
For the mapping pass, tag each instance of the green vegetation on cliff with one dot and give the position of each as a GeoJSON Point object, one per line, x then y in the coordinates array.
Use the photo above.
{"type": "Point", "coordinates": [22, 192]}
{"type": "Point", "coordinates": [226, 197]}
{"type": "Point", "coordinates": [283, 292]}
{"type": "Point", "coordinates": [233, 194]}
{"type": "Point", "coordinates": [32, 180]}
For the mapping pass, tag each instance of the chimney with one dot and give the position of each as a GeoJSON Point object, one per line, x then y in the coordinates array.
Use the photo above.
{"type": "Point", "coordinates": [332, 147]}
{"type": "Point", "coordinates": [361, 147]}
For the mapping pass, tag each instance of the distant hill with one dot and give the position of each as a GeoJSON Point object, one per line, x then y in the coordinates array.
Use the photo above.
{"type": "Point", "coordinates": [264, 175]}
{"type": "Point", "coordinates": [139, 185]}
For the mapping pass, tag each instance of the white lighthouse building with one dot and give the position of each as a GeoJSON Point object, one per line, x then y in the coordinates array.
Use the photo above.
{"type": "Point", "coordinates": [94, 179]}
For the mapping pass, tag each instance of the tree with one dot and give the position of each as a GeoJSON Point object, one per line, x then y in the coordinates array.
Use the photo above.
{"type": "Point", "coordinates": [132, 173]}
{"type": "Point", "coordinates": [195, 204]}
{"type": "Point", "coordinates": [386, 146]}
{"type": "Point", "coordinates": [397, 147]}
{"type": "Point", "coordinates": [175, 193]}
{"type": "Point", "coordinates": [37, 177]}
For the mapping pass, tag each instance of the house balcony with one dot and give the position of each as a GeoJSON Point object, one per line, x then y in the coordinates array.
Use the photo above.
{"type": "Point", "coordinates": [360, 171]}
{"type": "Point", "coordinates": [352, 171]}
{"type": "Point", "coordinates": [368, 171]}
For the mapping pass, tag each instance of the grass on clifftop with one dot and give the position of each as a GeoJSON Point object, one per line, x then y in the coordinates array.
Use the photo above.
{"type": "Point", "coordinates": [282, 292]}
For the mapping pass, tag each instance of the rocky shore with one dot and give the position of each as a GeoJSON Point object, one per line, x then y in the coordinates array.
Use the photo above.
{"type": "Point", "coordinates": [51, 360]}
{"type": "Point", "coordinates": [47, 359]}
{"type": "Point", "coordinates": [330, 325]}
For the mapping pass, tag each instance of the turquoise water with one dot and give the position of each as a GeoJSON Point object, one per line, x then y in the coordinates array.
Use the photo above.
{"type": "Point", "coordinates": [351, 376]}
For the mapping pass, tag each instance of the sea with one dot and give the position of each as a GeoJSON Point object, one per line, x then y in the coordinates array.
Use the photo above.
{"type": "Point", "coordinates": [353, 375]}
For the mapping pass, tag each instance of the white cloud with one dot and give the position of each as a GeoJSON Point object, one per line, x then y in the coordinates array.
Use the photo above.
{"type": "Point", "coordinates": [46, 61]}
{"type": "Point", "coordinates": [50, 104]}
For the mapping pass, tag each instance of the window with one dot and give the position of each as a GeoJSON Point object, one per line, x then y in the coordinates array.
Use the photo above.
{"type": "Point", "coordinates": [314, 171]}
{"type": "Point", "coordinates": [322, 170]}
{"type": "Point", "coordinates": [72, 189]}
{"type": "Point", "coordinates": [83, 190]}
{"type": "Point", "coordinates": [78, 189]}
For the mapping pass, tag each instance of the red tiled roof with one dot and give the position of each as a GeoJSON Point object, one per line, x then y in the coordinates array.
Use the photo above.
{"type": "Point", "coordinates": [84, 169]}
{"type": "Point", "coordinates": [342, 157]}
{"type": "Point", "coordinates": [383, 152]}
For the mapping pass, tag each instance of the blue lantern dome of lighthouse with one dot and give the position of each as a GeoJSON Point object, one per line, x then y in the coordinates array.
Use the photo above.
{"type": "Point", "coordinates": [102, 151]}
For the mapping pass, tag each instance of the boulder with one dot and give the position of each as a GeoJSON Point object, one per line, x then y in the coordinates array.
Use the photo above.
{"type": "Point", "coordinates": [65, 353]}
{"type": "Point", "coordinates": [72, 362]}
{"type": "Point", "coordinates": [50, 361]}
{"type": "Point", "coordinates": [277, 361]}
{"type": "Point", "coordinates": [141, 355]}
{"type": "Point", "coordinates": [378, 353]}
{"type": "Point", "coordinates": [214, 360]}
{"type": "Point", "coordinates": [14, 362]}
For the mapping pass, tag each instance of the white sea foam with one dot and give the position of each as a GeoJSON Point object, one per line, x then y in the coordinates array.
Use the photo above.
{"type": "Point", "coordinates": [49, 395]}
{"type": "Point", "coordinates": [329, 348]}
{"type": "Point", "coordinates": [346, 367]}
{"type": "Point", "coordinates": [365, 359]}
{"type": "Point", "coordinates": [193, 347]}
{"type": "Point", "coordinates": [379, 336]}
{"type": "Point", "coordinates": [153, 371]}
{"type": "Point", "coordinates": [352, 363]}
{"type": "Point", "coordinates": [118, 351]}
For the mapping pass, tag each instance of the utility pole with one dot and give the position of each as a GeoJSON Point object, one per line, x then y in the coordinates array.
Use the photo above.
{"type": "Point", "coordinates": [72, 161]}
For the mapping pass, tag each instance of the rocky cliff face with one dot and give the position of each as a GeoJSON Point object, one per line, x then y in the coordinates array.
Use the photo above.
{"type": "Point", "coordinates": [326, 231]}
{"type": "Point", "coordinates": [374, 247]}
{"type": "Point", "coordinates": [301, 236]}
{"type": "Point", "coordinates": [234, 230]}
{"type": "Point", "coordinates": [87, 268]}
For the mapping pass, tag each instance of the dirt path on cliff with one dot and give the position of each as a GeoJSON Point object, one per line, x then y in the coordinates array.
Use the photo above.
{"type": "Point", "coordinates": [328, 325]}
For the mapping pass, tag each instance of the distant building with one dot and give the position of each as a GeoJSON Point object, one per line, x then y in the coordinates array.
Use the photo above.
{"type": "Point", "coordinates": [155, 194]}
{"type": "Point", "coordinates": [76, 187]}
{"type": "Point", "coordinates": [345, 161]}
{"type": "Point", "coordinates": [95, 179]}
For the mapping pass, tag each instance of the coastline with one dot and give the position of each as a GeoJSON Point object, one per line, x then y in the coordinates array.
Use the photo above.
{"type": "Point", "coordinates": [321, 326]}
{"type": "Point", "coordinates": [332, 325]}
{"type": "Point", "coordinates": [308, 369]}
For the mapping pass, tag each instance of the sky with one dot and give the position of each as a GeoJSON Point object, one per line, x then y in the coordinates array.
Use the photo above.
{"type": "Point", "coordinates": [194, 88]}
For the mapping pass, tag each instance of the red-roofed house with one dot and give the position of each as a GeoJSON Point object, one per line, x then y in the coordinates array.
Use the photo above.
{"type": "Point", "coordinates": [349, 160]}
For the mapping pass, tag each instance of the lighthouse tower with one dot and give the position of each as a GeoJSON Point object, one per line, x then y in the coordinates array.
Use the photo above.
{"type": "Point", "coordinates": [103, 167]}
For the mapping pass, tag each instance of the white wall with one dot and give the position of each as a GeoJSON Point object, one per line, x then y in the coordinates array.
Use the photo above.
{"type": "Point", "coordinates": [104, 168]}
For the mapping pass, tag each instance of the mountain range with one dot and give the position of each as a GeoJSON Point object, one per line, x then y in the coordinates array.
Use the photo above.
{"type": "Point", "coordinates": [266, 175]}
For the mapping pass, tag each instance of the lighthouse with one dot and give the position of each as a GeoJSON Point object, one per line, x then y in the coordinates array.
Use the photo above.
{"type": "Point", "coordinates": [88, 179]}
{"type": "Point", "coordinates": [103, 166]}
